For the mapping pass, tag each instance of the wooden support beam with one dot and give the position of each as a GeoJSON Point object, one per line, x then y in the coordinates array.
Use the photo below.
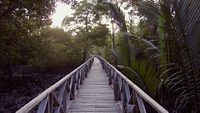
{"type": "Point", "coordinates": [124, 84]}
{"type": "Point", "coordinates": [70, 87]}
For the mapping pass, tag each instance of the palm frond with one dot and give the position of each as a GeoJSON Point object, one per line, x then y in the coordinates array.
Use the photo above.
{"type": "Point", "coordinates": [118, 15]}
{"type": "Point", "coordinates": [179, 22]}
{"type": "Point", "coordinates": [142, 74]}
{"type": "Point", "coordinates": [178, 42]}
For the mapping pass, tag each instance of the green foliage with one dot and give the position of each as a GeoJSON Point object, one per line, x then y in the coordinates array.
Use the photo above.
{"type": "Point", "coordinates": [131, 53]}
{"type": "Point", "coordinates": [118, 15]}
{"type": "Point", "coordinates": [183, 80]}
{"type": "Point", "coordinates": [85, 25]}
{"type": "Point", "coordinates": [86, 15]}
{"type": "Point", "coordinates": [144, 74]}
{"type": "Point", "coordinates": [181, 73]}
{"type": "Point", "coordinates": [19, 21]}
{"type": "Point", "coordinates": [178, 54]}
{"type": "Point", "coordinates": [98, 35]}
{"type": "Point", "coordinates": [160, 54]}
{"type": "Point", "coordinates": [142, 29]}
{"type": "Point", "coordinates": [63, 51]}
{"type": "Point", "coordinates": [143, 70]}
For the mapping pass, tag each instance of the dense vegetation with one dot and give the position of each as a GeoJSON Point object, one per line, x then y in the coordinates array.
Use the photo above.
{"type": "Point", "coordinates": [160, 53]}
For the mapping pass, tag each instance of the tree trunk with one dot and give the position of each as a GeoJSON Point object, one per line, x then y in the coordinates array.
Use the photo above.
{"type": "Point", "coordinates": [129, 54]}
{"type": "Point", "coordinates": [113, 41]}
{"type": "Point", "coordinates": [84, 55]}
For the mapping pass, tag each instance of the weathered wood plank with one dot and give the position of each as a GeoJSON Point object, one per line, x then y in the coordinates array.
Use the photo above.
{"type": "Point", "coordinates": [95, 95]}
{"type": "Point", "coordinates": [85, 109]}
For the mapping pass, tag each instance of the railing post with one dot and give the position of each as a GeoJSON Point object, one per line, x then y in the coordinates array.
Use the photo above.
{"type": "Point", "coordinates": [85, 71]}
{"type": "Point", "coordinates": [43, 105]}
{"type": "Point", "coordinates": [65, 96]}
{"type": "Point", "coordinates": [124, 99]}
{"type": "Point", "coordinates": [140, 103]}
{"type": "Point", "coordinates": [110, 76]}
{"type": "Point", "coordinates": [82, 77]}
{"type": "Point", "coordinates": [49, 102]}
{"type": "Point", "coordinates": [116, 89]}
{"type": "Point", "coordinates": [91, 61]}
{"type": "Point", "coordinates": [77, 80]}
{"type": "Point", "coordinates": [102, 63]}
{"type": "Point", "coordinates": [123, 84]}
{"type": "Point", "coordinates": [72, 96]}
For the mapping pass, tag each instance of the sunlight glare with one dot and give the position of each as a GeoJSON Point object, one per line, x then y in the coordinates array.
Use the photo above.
{"type": "Point", "coordinates": [61, 11]}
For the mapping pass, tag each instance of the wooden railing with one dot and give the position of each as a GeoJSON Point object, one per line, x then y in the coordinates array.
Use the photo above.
{"type": "Point", "coordinates": [56, 99]}
{"type": "Point", "coordinates": [127, 93]}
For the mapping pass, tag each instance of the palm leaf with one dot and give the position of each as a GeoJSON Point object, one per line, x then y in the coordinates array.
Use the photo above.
{"type": "Point", "coordinates": [179, 22]}
{"type": "Point", "coordinates": [178, 44]}
{"type": "Point", "coordinates": [118, 15]}
{"type": "Point", "coordinates": [143, 74]}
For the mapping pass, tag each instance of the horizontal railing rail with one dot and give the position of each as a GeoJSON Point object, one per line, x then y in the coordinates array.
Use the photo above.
{"type": "Point", "coordinates": [56, 98]}
{"type": "Point", "coordinates": [127, 93]}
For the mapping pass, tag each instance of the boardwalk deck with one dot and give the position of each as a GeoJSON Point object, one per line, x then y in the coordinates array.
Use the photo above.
{"type": "Point", "coordinates": [95, 96]}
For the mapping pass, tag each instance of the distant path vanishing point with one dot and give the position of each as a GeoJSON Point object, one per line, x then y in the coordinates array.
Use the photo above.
{"type": "Point", "coordinates": [95, 95]}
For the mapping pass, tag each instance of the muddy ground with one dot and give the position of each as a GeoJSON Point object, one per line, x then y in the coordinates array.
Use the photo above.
{"type": "Point", "coordinates": [17, 92]}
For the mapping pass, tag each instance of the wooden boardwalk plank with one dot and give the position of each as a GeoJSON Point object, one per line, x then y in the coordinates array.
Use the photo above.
{"type": "Point", "coordinates": [95, 95]}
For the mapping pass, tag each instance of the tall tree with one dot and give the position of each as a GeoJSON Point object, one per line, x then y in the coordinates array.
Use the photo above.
{"type": "Point", "coordinates": [84, 22]}
{"type": "Point", "coordinates": [119, 18]}
{"type": "Point", "coordinates": [18, 20]}
{"type": "Point", "coordinates": [179, 37]}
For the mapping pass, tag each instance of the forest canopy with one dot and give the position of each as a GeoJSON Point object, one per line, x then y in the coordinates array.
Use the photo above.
{"type": "Point", "coordinates": [160, 53]}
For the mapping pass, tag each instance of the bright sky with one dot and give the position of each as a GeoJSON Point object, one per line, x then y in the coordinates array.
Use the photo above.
{"type": "Point", "coordinates": [62, 10]}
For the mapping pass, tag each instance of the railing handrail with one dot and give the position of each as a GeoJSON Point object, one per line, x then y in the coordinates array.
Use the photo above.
{"type": "Point", "coordinates": [30, 105]}
{"type": "Point", "coordinates": [140, 92]}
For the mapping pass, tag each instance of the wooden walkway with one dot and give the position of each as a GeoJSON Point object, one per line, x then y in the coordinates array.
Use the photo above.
{"type": "Point", "coordinates": [95, 95]}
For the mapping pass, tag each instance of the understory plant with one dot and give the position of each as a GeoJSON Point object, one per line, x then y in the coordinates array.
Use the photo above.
{"type": "Point", "coordinates": [167, 68]}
